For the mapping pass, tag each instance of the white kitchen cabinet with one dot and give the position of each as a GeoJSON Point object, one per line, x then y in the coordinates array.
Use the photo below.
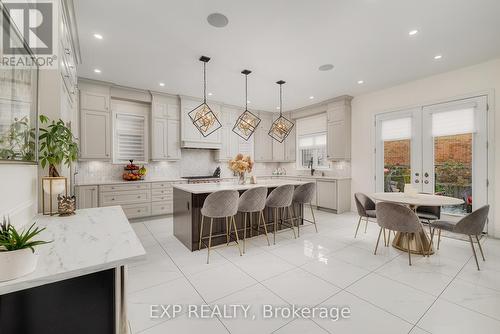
{"type": "Point", "coordinates": [327, 194]}
{"type": "Point", "coordinates": [190, 136]}
{"type": "Point", "coordinates": [159, 132]}
{"type": "Point", "coordinates": [86, 197]}
{"type": "Point", "coordinates": [94, 101]}
{"type": "Point", "coordinates": [229, 139]}
{"type": "Point", "coordinates": [95, 135]}
{"type": "Point", "coordinates": [173, 140]}
{"type": "Point", "coordinates": [290, 146]}
{"type": "Point", "coordinates": [263, 148]}
{"type": "Point", "coordinates": [165, 128]}
{"type": "Point", "coordinates": [339, 130]}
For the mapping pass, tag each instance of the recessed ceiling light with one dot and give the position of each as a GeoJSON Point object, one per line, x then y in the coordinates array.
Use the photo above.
{"type": "Point", "coordinates": [325, 67]}
{"type": "Point", "coordinates": [311, 97]}
{"type": "Point", "coordinates": [162, 84]}
{"type": "Point", "coordinates": [413, 32]}
{"type": "Point", "coordinates": [98, 36]}
{"type": "Point", "coordinates": [210, 94]}
{"type": "Point", "coordinates": [217, 20]}
{"type": "Point", "coordinates": [360, 82]}
{"type": "Point", "coordinates": [96, 70]}
{"type": "Point", "coordinates": [437, 57]}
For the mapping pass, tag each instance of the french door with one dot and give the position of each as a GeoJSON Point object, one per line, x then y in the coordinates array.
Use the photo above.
{"type": "Point", "coordinates": [439, 149]}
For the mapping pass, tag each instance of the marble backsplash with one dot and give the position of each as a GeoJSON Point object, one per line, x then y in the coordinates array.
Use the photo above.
{"type": "Point", "coordinates": [194, 162]}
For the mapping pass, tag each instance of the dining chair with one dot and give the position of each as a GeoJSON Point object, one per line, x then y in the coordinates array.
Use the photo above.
{"type": "Point", "coordinates": [398, 218]}
{"type": "Point", "coordinates": [302, 196]}
{"type": "Point", "coordinates": [366, 209]}
{"type": "Point", "coordinates": [470, 225]}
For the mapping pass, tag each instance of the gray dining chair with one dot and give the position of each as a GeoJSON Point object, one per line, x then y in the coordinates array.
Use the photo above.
{"type": "Point", "coordinates": [366, 209]}
{"type": "Point", "coordinates": [253, 201]}
{"type": "Point", "coordinates": [398, 218]}
{"type": "Point", "coordinates": [303, 195]}
{"type": "Point", "coordinates": [470, 225]}
{"type": "Point", "coordinates": [220, 204]}
{"type": "Point", "coordinates": [280, 200]}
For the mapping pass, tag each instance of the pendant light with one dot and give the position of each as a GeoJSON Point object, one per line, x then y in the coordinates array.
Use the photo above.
{"type": "Point", "coordinates": [281, 127]}
{"type": "Point", "coordinates": [247, 122]}
{"type": "Point", "coordinates": [203, 118]}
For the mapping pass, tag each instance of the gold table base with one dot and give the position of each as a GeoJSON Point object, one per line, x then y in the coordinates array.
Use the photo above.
{"type": "Point", "coordinates": [416, 244]}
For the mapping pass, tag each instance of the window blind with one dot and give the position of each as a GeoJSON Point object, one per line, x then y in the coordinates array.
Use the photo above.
{"type": "Point", "coordinates": [454, 122]}
{"type": "Point", "coordinates": [396, 129]}
{"type": "Point", "coordinates": [130, 137]}
{"type": "Point", "coordinates": [312, 140]}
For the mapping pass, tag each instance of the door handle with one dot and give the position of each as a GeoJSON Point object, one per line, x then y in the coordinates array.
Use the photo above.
{"type": "Point", "coordinates": [426, 182]}
{"type": "Point", "coordinates": [417, 181]}
{"type": "Point", "coordinates": [426, 174]}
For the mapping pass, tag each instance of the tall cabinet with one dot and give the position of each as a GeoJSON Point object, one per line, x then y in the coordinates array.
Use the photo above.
{"type": "Point", "coordinates": [339, 129]}
{"type": "Point", "coordinates": [165, 125]}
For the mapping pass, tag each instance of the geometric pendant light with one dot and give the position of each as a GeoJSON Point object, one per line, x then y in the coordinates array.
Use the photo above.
{"type": "Point", "coordinates": [202, 116]}
{"type": "Point", "coordinates": [247, 123]}
{"type": "Point", "coordinates": [281, 127]}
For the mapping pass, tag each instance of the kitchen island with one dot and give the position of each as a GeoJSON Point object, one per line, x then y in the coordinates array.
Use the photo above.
{"type": "Point", "coordinates": [79, 283]}
{"type": "Point", "coordinates": [188, 201]}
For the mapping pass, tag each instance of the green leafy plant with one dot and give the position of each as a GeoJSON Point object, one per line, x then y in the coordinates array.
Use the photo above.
{"type": "Point", "coordinates": [18, 142]}
{"type": "Point", "coordinates": [57, 145]}
{"type": "Point", "coordinates": [11, 239]}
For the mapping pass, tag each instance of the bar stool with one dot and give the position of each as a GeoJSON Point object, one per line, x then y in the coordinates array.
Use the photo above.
{"type": "Point", "coordinates": [253, 201]}
{"type": "Point", "coordinates": [280, 199]}
{"type": "Point", "coordinates": [220, 204]}
{"type": "Point", "coordinates": [302, 195]}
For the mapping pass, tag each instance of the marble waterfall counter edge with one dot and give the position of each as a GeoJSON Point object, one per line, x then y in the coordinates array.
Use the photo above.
{"type": "Point", "coordinates": [206, 188]}
{"type": "Point", "coordinates": [90, 241]}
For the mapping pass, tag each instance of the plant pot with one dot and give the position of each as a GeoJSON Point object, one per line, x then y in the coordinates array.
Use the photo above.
{"type": "Point", "coordinates": [17, 263]}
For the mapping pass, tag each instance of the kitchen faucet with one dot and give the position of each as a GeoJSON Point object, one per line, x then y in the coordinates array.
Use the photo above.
{"type": "Point", "coordinates": [310, 165]}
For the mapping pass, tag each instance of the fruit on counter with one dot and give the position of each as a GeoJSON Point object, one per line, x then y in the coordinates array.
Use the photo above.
{"type": "Point", "coordinates": [131, 176]}
{"type": "Point", "coordinates": [142, 170]}
{"type": "Point", "coordinates": [131, 166]}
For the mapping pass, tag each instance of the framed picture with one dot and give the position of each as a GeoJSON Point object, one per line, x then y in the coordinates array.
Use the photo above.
{"type": "Point", "coordinates": [18, 101]}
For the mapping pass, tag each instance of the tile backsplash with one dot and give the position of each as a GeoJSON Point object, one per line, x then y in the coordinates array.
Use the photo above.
{"type": "Point", "coordinates": [194, 162]}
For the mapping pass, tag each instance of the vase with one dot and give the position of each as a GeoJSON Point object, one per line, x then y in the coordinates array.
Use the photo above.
{"type": "Point", "coordinates": [242, 178]}
{"type": "Point", "coordinates": [17, 263]}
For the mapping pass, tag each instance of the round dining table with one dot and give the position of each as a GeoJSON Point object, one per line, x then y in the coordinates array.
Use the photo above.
{"type": "Point", "coordinates": [413, 201]}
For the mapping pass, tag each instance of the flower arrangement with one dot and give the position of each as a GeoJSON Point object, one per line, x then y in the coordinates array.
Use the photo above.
{"type": "Point", "coordinates": [241, 164]}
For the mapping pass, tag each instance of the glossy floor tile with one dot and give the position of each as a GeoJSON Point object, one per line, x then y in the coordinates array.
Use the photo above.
{"type": "Point", "coordinates": [443, 293]}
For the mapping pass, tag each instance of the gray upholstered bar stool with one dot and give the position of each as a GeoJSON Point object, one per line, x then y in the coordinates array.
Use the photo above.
{"type": "Point", "coordinates": [253, 201]}
{"type": "Point", "coordinates": [220, 204]}
{"type": "Point", "coordinates": [303, 195]}
{"type": "Point", "coordinates": [280, 200]}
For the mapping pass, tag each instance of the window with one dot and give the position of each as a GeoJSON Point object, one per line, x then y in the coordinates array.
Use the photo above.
{"type": "Point", "coordinates": [130, 137]}
{"type": "Point", "coordinates": [312, 148]}
{"type": "Point", "coordinates": [311, 142]}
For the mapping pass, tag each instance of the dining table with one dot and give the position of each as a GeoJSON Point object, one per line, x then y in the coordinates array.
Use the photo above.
{"type": "Point", "coordinates": [420, 242]}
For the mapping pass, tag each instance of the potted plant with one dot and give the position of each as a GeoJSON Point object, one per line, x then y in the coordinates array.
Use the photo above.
{"type": "Point", "coordinates": [17, 250]}
{"type": "Point", "coordinates": [240, 165]}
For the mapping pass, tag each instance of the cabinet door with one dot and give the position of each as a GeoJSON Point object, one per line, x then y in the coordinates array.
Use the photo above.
{"type": "Point", "coordinates": [95, 136]}
{"type": "Point", "coordinates": [173, 140]}
{"type": "Point", "coordinates": [336, 145]}
{"type": "Point", "coordinates": [290, 146]}
{"type": "Point", "coordinates": [159, 139]}
{"type": "Point", "coordinates": [327, 194]}
{"type": "Point", "coordinates": [86, 197]}
{"type": "Point", "coordinates": [263, 142]}
{"type": "Point", "coordinates": [94, 101]}
{"type": "Point", "coordinates": [278, 151]}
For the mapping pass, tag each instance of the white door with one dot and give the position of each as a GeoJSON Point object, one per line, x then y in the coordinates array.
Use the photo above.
{"type": "Point", "coordinates": [398, 150]}
{"type": "Point", "coordinates": [454, 162]}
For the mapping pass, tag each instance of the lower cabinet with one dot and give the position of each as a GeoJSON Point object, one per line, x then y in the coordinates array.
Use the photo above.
{"type": "Point", "coordinates": [86, 197]}
{"type": "Point", "coordinates": [137, 210]}
{"type": "Point", "coordinates": [327, 194]}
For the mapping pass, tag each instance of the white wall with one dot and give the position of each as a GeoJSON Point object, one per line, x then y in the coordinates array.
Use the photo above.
{"type": "Point", "coordinates": [18, 197]}
{"type": "Point", "coordinates": [479, 78]}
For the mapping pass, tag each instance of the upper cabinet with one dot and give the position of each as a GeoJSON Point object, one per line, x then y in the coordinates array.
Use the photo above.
{"type": "Point", "coordinates": [263, 150]}
{"type": "Point", "coordinates": [339, 129]}
{"type": "Point", "coordinates": [95, 121]}
{"type": "Point", "coordinates": [229, 139]}
{"type": "Point", "coordinates": [165, 128]}
{"type": "Point", "coordinates": [190, 136]}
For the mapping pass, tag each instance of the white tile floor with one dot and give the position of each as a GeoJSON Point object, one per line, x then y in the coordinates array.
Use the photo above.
{"type": "Point", "coordinates": [441, 294]}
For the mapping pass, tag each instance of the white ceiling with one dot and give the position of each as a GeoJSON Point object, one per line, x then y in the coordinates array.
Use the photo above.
{"type": "Point", "coordinates": [151, 41]}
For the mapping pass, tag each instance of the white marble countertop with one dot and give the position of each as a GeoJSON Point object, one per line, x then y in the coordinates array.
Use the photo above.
{"type": "Point", "coordinates": [90, 241]}
{"type": "Point", "coordinates": [317, 177]}
{"type": "Point", "coordinates": [204, 188]}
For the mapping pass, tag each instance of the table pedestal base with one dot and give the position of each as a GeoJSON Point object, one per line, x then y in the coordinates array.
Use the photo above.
{"type": "Point", "coordinates": [419, 243]}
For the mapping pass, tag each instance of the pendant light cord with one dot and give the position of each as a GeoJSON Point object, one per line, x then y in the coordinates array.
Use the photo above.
{"type": "Point", "coordinates": [246, 92]}
{"type": "Point", "coordinates": [281, 100]}
{"type": "Point", "coordinates": [204, 82]}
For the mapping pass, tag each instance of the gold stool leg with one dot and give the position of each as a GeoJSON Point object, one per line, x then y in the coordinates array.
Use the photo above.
{"type": "Point", "coordinates": [408, 246]}
{"type": "Point", "coordinates": [366, 224]}
{"type": "Point", "coordinates": [265, 227]}
{"type": "Point", "coordinates": [439, 238]}
{"type": "Point", "coordinates": [357, 227]}
{"type": "Point", "coordinates": [275, 225]}
{"type": "Point", "coordinates": [385, 239]}
{"type": "Point", "coordinates": [244, 231]}
{"type": "Point", "coordinates": [480, 248]}
{"type": "Point", "coordinates": [314, 218]}
{"type": "Point", "coordinates": [236, 233]}
{"type": "Point", "coordinates": [378, 240]}
{"type": "Point", "coordinates": [201, 232]}
{"type": "Point", "coordinates": [292, 219]}
{"type": "Point", "coordinates": [227, 231]}
{"type": "Point", "coordinates": [210, 240]}
{"type": "Point", "coordinates": [251, 224]}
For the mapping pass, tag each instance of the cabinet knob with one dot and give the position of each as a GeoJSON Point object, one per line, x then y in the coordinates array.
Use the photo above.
{"type": "Point", "coordinates": [138, 210]}
{"type": "Point", "coordinates": [138, 196]}
{"type": "Point", "coordinates": [112, 199]}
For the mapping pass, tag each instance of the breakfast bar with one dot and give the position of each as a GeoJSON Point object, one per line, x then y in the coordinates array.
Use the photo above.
{"type": "Point", "coordinates": [188, 201]}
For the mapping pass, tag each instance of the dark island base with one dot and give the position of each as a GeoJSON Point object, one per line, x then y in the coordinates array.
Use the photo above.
{"type": "Point", "coordinates": [80, 305]}
{"type": "Point", "coordinates": [187, 220]}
